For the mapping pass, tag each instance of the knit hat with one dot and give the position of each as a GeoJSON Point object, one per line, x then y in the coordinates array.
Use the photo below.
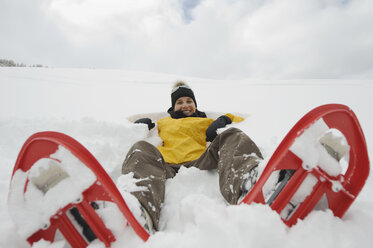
{"type": "Point", "coordinates": [181, 89]}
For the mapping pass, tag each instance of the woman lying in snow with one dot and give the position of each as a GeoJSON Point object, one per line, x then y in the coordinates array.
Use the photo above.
{"type": "Point", "coordinates": [185, 134]}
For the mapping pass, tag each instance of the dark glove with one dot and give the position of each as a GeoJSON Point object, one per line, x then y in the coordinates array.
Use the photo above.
{"type": "Point", "coordinates": [146, 121]}
{"type": "Point", "coordinates": [220, 122]}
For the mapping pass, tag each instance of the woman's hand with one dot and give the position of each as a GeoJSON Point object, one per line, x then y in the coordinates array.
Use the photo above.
{"type": "Point", "coordinates": [220, 122]}
{"type": "Point", "coordinates": [146, 121]}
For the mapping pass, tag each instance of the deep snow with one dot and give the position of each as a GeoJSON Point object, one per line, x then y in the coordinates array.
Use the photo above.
{"type": "Point", "coordinates": [93, 106]}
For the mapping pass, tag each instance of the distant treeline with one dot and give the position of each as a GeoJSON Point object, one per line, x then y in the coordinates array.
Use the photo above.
{"type": "Point", "coordinates": [11, 63]}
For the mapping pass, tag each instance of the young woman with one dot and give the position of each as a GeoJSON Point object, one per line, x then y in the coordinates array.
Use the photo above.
{"type": "Point", "coordinates": [185, 134]}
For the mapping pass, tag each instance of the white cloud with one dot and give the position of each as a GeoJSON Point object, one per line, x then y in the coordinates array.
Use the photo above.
{"type": "Point", "coordinates": [224, 39]}
{"type": "Point", "coordinates": [95, 20]}
{"type": "Point", "coordinates": [309, 39]}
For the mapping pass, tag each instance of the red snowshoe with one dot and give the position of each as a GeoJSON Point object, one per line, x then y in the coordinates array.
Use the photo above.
{"type": "Point", "coordinates": [56, 186]}
{"type": "Point", "coordinates": [321, 163]}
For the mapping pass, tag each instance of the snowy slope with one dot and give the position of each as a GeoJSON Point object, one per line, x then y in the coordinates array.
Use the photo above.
{"type": "Point", "coordinates": [93, 106]}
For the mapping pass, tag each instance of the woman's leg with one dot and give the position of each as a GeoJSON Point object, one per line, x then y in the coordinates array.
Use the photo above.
{"type": "Point", "coordinates": [235, 155]}
{"type": "Point", "coordinates": [147, 164]}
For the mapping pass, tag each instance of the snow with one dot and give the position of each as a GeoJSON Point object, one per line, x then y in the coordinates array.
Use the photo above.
{"type": "Point", "coordinates": [309, 148]}
{"type": "Point", "coordinates": [93, 107]}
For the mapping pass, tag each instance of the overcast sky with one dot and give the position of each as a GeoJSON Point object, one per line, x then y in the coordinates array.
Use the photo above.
{"type": "Point", "coordinates": [227, 39]}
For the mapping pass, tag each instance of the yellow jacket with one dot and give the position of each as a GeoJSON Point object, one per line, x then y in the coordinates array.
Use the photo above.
{"type": "Point", "coordinates": [184, 139]}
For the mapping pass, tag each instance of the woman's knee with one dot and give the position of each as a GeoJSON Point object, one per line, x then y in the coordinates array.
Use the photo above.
{"type": "Point", "coordinates": [232, 132]}
{"type": "Point", "coordinates": [142, 144]}
{"type": "Point", "coordinates": [235, 137]}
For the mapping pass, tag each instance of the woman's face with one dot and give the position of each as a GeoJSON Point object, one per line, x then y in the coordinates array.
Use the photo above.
{"type": "Point", "coordinates": [186, 105]}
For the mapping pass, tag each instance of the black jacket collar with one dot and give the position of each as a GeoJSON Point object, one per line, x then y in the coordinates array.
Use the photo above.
{"type": "Point", "coordinates": [180, 114]}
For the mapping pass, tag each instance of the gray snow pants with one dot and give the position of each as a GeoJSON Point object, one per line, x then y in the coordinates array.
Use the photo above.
{"type": "Point", "coordinates": [232, 153]}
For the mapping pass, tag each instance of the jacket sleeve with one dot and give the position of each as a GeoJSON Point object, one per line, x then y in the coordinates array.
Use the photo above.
{"type": "Point", "coordinates": [146, 121]}
{"type": "Point", "coordinates": [220, 122]}
{"type": "Point", "coordinates": [234, 118]}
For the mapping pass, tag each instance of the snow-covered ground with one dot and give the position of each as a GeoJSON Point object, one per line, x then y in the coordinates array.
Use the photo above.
{"type": "Point", "coordinates": [93, 106]}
